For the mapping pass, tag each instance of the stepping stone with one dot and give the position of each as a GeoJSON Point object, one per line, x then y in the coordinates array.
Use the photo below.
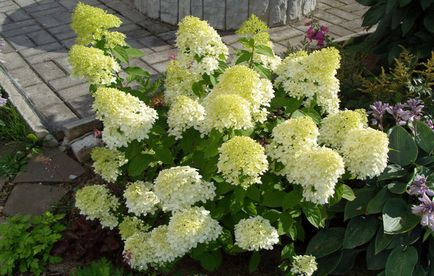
{"type": "Point", "coordinates": [52, 165]}
{"type": "Point", "coordinates": [33, 199]}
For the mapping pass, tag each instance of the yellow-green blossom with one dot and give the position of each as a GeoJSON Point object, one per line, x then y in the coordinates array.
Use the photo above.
{"type": "Point", "coordinates": [312, 76]}
{"type": "Point", "coordinates": [91, 23]}
{"type": "Point", "coordinates": [183, 114]}
{"type": "Point", "coordinates": [189, 227]}
{"type": "Point", "coordinates": [181, 187]}
{"type": "Point", "coordinates": [163, 252]}
{"type": "Point", "coordinates": [365, 152]}
{"type": "Point", "coordinates": [114, 39]}
{"type": "Point", "coordinates": [179, 82]}
{"type": "Point", "coordinates": [304, 265]}
{"type": "Point", "coordinates": [138, 252]}
{"type": "Point", "coordinates": [226, 112]}
{"type": "Point", "coordinates": [252, 26]}
{"type": "Point", "coordinates": [335, 127]}
{"type": "Point", "coordinates": [96, 202]}
{"type": "Point", "coordinates": [125, 117]}
{"type": "Point", "coordinates": [255, 233]}
{"type": "Point", "coordinates": [92, 64]}
{"type": "Point", "coordinates": [130, 226]}
{"type": "Point", "coordinates": [242, 161]}
{"type": "Point", "coordinates": [107, 163]}
{"type": "Point", "coordinates": [140, 199]}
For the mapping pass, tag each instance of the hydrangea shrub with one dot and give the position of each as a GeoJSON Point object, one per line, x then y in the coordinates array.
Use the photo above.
{"type": "Point", "coordinates": [233, 156]}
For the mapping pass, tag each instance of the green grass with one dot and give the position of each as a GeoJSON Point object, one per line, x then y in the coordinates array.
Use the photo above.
{"type": "Point", "coordinates": [12, 125]}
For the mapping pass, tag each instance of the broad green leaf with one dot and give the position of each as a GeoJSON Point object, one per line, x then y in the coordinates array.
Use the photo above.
{"type": "Point", "coordinates": [403, 147]}
{"type": "Point", "coordinates": [382, 240]}
{"type": "Point", "coordinates": [397, 187]}
{"type": "Point", "coordinates": [264, 50]}
{"type": "Point", "coordinates": [121, 54]}
{"type": "Point", "coordinates": [288, 251]}
{"type": "Point", "coordinates": [273, 198]}
{"type": "Point", "coordinates": [359, 231]}
{"type": "Point", "coordinates": [428, 22]}
{"type": "Point", "coordinates": [348, 193]}
{"type": "Point", "coordinates": [397, 217]}
{"type": "Point", "coordinates": [328, 264]}
{"type": "Point", "coordinates": [425, 3]}
{"type": "Point", "coordinates": [315, 214]}
{"type": "Point", "coordinates": [424, 136]}
{"type": "Point", "coordinates": [138, 164]}
{"type": "Point", "coordinates": [358, 206]}
{"type": "Point", "coordinates": [401, 263]}
{"type": "Point", "coordinates": [392, 172]}
{"type": "Point", "coordinates": [403, 3]}
{"type": "Point", "coordinates": [264, 72]}
{"type": "Point", "coordinates": [326, 242]}
{"type": "Point", "coordinates": [136, 71]}
{"type": "Point", "coordinates": [255, 260]}
{"type": "Point", "coordinates": [211, 260]}
{"type": "Point", "coordinates": [347, 261]}
{"type": "Point", "coordinates": [243, 57]}
{"type": "Point", "coordinates": [134, 53]}
{"type": "Point", "coordinates": [376, 204]}
{"type": "Point", "coordinates": [375, 261]}
{"type": "Point", "coordinates": [291, 199]}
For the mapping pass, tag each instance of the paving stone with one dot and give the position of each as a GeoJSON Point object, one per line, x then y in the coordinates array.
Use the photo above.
{"type": "Point", "coordinates": [79, 99]}
{"type": "Point", "coordinates": [160, 67]}
{"type": "Point", "coordinates": [65, 82]}
{"type": "Point", "coordinates": [21, 42]}
{"type": "Point", "coordinates": [39, 50]}
{"type": "Point", "coordinates": [76, 129]}
{"type": "Point", "coordinates": [82, 147]}
{"type": "Point", "coordinates": [51, 166]}
{"type": "Point", "coordinates": [325, 16]}
{"type": "Point", "coordinates": [25, 76]}
{"type": "Point", "coordinates": [13, 60]}
{"type": "Point", "coordinates": [33, 199]}
{"type": "Point", "coordinates": [41, 37]}
{"type": "Point", "coordinates": [45, 56]}
{"type": "Point", "coordinates": [154, 43]}
{"type": "Point", "coordinates": [19, 15]}
{"type": "Point", "coordinates": [49, 70]}
{"type": "Point", "coordinates": [159, 57]}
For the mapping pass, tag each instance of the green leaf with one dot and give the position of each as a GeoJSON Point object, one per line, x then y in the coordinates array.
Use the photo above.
{"type": "Point", "coordinates": [326, 242]}
{"type": "Point", "coordinates": [403, 147]}
{"type": "Point", "coordinates": [134, 53]}
{"type": "Point", "coordinates": [348, 193]}
{"type": "Point", "coordinates": [403, 3]}
{"type": "Point", "coordinates": [255, 260]}
{"type": "Point", "coordinates": [243, 57]}
{"type": "Point", "coordinates": [397, 187]}
{"type": "Point", "coordinates": [359, 231]}
{"type": "Point", "coordinates": [247, 42]}
{"type": "Point", "coordinates": [211, 260]}
{"type": "Point", "coordinates": [315, 214]}
{"type": "Point", "coordinates": [382, 240]}
{"type": "Point", "coordinates": [375, 261]}
{"type": "Point", "coordinates": [288, 251]}
{"type": "Point", "coordinates": [264, 50]}
{"type": "Point", "coordinates": [376, 204]}
{"type": "Point", "coordinates": [373, 15]}
{"type": "Point", "coordinates": [291, 199]}
{"type": "Point", "coordinates": [273, 198]}
{"type": "Point", "coordinates": [392, 172]}
{"type": "Point", "coordinates": [425, 4]}
{"type": "Point", "coordinates": [136, 72]}
{"type": "Point", "coordinates": [138, 164]}
{"type": "Point", "coordinates": [397, 217]}
{"type": "Point", "coordinates": [424, 136]}
{"type": "Point", "coordinates": [164, 155]}
{"type": "Point", "coordinates": [401, 263]}
{"type": "Point", "coordinates": [121, 54]}
{"type": "Point", "coordinates": [347, 261]}
{"type": "Point", "coordinates": [264, 72]}
{"type": "Point", "coordinates": [358, 206]}
{"type": "Point", "coordinates": [327, 264]}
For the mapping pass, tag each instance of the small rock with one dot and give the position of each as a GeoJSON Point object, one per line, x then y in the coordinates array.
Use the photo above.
{"type": "Point", "coordinates": [82, 147]}
{"type": "Point", "coordinates": [50, 141]}
{"type": "Point", "coordinates": [50, 166]}
{"type": "Point", "coordinates": [33, 199]}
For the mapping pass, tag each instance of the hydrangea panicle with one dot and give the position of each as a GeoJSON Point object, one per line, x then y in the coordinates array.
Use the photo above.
{"type": "Point", "coordinates": [140, 199]}
{"type": "Point", "coordinates": [183, 114]}
{"type": "Point", "coordinates": [255, 233]}
{"type": "Point", "coordinates": [107, 163]}
{"type": "Point", "coordinates": [304, 265]}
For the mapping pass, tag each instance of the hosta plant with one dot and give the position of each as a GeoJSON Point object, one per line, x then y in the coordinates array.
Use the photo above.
{"type": "Point", "coordinates": [391, 220]}
{"type": "Point", "coordinates": [232, 157]}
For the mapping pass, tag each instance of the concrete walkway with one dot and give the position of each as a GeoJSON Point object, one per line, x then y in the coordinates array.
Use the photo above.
{"type": "Point", "coordinates": [37, 38]}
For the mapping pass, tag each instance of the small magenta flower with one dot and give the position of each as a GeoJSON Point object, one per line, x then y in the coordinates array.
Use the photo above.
{"type": "Point", "coordinates": [426, 210]}
{"type": "Point", "coordinates": [418, 187]}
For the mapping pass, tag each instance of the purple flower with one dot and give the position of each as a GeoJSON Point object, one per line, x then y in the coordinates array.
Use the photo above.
{"type": "Point", "coordinates": [3, 101]}
{"type": "Point", "coordinates": [426, 210]}
{"type": "Point", "coordinates": [399, 113]}
{"type": "Point", "coordinates": [415, 106]}
{"type": "Point", "coordinates": [310, 33]}
{"type": "Point", "coordinates": [418, 187]}
{"type": "Point", "coordinates": [378, 109]}
{"type": "Point", "coordinates": [430, 123]}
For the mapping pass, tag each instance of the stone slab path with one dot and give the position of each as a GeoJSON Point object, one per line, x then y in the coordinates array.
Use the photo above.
{"type": "Point", "coordinates": [37, 37]}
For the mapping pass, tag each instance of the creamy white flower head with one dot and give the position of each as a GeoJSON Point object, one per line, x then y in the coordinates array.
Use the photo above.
{"type": "Point", "coordinates": [310, 76]}
{"type": "Point", "coordinates": [242, 161]}
{"type": "Point", "coordinates": [138, 252]}
{"type": "Point", "coordinates": [226, 112]}
{"type": "Point", "coordinates": [335, 127]}
{"type": "Point", "coordinates": [318, 170]}
{"type": "Point", "coordinates": [255, 233]}
{"type": "Point", "coordinates": [181, 187]}
{"type": "Point", "coordinates": [179, 82]}
{"type": "Point", "coordinates": [96, 202]}
{"type": "Point", "coordinates": [365, 152]}
{"type": "Point", "coordinates": [163, 252]}
{"type": "Point", "coordinates": [140, 199]}
{"type": "Point", "coordinates": [304, 265]}
{"type": "Point", "coordinates": [189, 227]}
{"type": "Point", "coordinates": [200, 46]}
{"type": "Point", "coordinates": [125, 117]}
{"type": "Point", "coordinates": [183, 114]}
{"type": "Point", "coordinates": [130, 226]}
{"type": "Point", "coordinates": [107, 162]}
{"type": "Point", "coordinates": [245, 82]}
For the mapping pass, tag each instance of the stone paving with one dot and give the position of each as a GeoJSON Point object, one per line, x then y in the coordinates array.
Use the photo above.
{"type": "Point", "coordinates": [37, 38]}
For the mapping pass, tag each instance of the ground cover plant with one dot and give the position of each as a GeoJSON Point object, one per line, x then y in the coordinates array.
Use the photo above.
{"type": "Point", "coordinates": [235, 156]}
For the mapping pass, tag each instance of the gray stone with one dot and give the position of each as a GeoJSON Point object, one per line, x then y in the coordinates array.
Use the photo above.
{"type": "Point", "coordinates": [295, 9]}
{"type": "Point", "coordinates": [33, 199]}
{"type": "Point", "coordinates": [214, 13]}
{"type": "Point", "coordinates": [50, 166]}
{"type": "Point", "coordinates": [65, 82]}
{"type": "Point", "coordinates": [13, 60]}
{"type": "Point", "coordinates": [49, 70]}
{"type": "Point", "coordinates": [278, 12]}
{"type": "Point", "coordinates": [236, 13]}
{"type": "Point", "coordinates": [2, 182]}
{"type": "Point", "coordinates": [82, 147]}
{"type": "Point", "coordinates": [260, 8]}
{"type": "Point", "coordinates": [153, 8]}
{"type": "Point", "coordinates": [309, 6]}
{"type": "Point", "coordinates": [169, 11]}
{"type": "Point", "coordinates": [41, 37]}
{"type": "Point", "coordinates": [50, 141]}
{"type": "Point", "coordinates": [197, 8]}
{"type": "Point", "coordinates": [184, 8]}
{"type": "Point", "coordinates": [25, 76]}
